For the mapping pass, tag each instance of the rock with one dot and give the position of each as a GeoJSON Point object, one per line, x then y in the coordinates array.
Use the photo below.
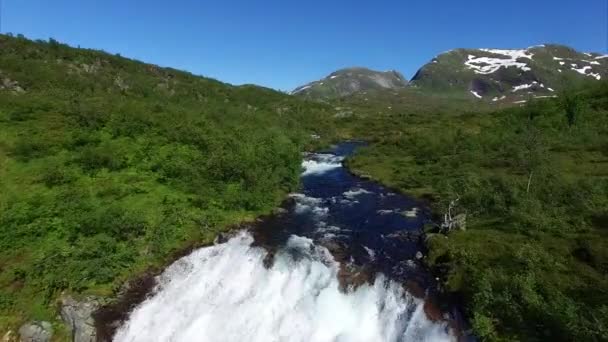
{"type": "Point", "coordinates": [78, 316]}
{"type": "Point", "coordinates": [37, 331]}
{"type": "Point", "coordinates": [8, 84]}
{"type": "Point", "coordinates": [9, 337]}
{"type": "Point", "coordinates": [279, 211]}
{"type": "Point", "coordinates": [121, 84]}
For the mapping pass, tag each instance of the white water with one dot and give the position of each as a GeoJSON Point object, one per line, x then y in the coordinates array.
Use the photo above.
{"type": "Point", "coordinates": [321, 163]}
{"type": "Point", "coordinates": [224, 293]}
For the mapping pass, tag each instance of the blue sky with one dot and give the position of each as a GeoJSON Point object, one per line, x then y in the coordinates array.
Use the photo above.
{"type": "Point", "coordinates": [283, 44]}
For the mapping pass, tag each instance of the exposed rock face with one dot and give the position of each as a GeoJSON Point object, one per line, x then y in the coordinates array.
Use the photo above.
{"type": "Point", "coordinates": [349, 81]}
{"type": "Point", "coordinates": [8, 84]}
{"type": "Point", "coordinates": [121, 84]}
{"type": "Point", "coordinates": [78, 316]}
{"type": "Point", "coordinates": [510, 75]}
{"type": "Point", "coordinates": [36, 331]}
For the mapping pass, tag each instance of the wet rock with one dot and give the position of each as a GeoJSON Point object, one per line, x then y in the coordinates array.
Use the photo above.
{"type": "Point", "coordinates": [433, 312]}
{"type": "Point", "coordinates": [37, 331]}
{"type": "Point", "coordinates": [221, 238]}
{"type": "Point", "coordinates": [352, 276]}
{"type": "Point", "coordinates": [415, 289]}
{"type": "Point", "coordinates": [78, 316]}
{"type": "Point", "coordinates": [110, 315]}
{"type": "Point", "coordinates": [279, 211]}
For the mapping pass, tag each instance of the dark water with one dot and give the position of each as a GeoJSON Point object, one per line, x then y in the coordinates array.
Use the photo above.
{"type": "Point", "coordinates": [363, 223]}
{"type": "Point", "coordinates": [339, 262]}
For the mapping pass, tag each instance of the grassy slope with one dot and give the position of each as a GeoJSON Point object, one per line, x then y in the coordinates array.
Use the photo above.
{"type": "Point", "coordinates": [530, 266]}
{"type": "Point", "coordinates": [108, 166]}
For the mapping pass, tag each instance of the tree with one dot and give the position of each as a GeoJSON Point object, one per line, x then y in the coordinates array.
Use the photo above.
{"type": "Point", "coordinates": [572, 105]}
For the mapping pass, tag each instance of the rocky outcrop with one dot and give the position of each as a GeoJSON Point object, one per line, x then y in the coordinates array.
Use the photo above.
{"type": "Point", "coordinates": [78, 316]}
{"type": "Point", "coordinates": [121, 84]}
{"type": "Point", "coordinates": [37, 331]}
{"type": "Point", "coordinates": [8, 84]}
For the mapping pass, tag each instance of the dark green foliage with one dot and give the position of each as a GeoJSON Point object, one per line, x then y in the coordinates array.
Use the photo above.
{"type": "Point", "coordinates": [108, 166]}
{"type": "Point", "coordinates": [571, 105]}
{"type": "Point", "coordinates": [531, 265]}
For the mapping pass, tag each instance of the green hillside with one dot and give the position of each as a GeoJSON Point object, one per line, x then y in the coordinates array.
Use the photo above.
{"type": "Point", "coordinates": [108, 166]}
{"type": "Point", "coordinates": [497, 75]}
{"type": "Point", "coordinates": [532, 264]}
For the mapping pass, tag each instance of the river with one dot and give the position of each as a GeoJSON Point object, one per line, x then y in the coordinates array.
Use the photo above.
{"type": "Point", "coordinates": [339, 262]}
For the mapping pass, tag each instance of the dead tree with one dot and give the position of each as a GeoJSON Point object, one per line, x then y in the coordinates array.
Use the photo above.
{"type": "Point", "coordinates": [453, 222]}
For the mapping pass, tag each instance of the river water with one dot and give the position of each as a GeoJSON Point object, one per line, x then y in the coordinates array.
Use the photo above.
{"type": "Point", "coordinates": [330, 266]}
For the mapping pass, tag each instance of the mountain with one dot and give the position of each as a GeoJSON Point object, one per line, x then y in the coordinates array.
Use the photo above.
{"type": "Point", "coordinates": [509, 75]}
{"type": "Point", "coordinates": [349, 81]}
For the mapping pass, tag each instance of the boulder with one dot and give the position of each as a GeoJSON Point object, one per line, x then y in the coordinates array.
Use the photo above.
{"type": "Point", "coordinates": [78, 316]}
{"type": "Point", "coordinates": [37, 331]}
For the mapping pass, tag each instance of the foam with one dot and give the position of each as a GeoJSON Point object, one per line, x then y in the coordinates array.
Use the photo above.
{"type": "Point", "coordinates": [224, 293]}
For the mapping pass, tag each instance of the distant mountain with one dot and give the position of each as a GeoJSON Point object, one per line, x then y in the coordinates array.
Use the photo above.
{"type": "Point", "coordinates": [509, 75]}
{"type": "Point", "coordinates": [349, 81]}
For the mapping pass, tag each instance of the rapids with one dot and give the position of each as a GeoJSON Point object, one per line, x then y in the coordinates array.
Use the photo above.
{"type": "Point", "coordinates": [231, 292]}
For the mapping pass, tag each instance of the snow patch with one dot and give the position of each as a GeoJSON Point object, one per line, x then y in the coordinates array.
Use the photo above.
{"type": "Point", "coordinates": [489, 65]}
{"type": "Point", "coordinates": [524, 86]}
{"type": "Point", "coordinates": [583, 71]}
{"type": "Point", "coordinates": [301, 89]}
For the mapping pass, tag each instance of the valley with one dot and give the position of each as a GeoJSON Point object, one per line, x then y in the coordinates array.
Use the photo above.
{"type": "Point", "coordinates": [113, 168]}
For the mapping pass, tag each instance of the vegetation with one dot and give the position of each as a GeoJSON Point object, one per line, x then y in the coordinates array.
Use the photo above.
{"type": "Point", "coordinates": [548, 68]}
{"type": "Point", "coordinates": [532, 264]}
{"type": "Point", "coordinates": [109, 166]}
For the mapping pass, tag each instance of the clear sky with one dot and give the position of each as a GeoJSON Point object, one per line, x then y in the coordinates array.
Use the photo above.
{"type": "Point", "coordinates": [283, 44]}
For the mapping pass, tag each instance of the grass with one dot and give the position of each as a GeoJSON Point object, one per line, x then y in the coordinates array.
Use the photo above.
{"type": "Point", "coordinates": [109, 166]}
{"type": "Point", "coordinates": [531, 266]}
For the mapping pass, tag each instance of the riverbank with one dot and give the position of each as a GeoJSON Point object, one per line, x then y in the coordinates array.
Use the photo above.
{"type": "Point", "coordinates": [358, 222]}
{"type": "Point", "coordinates": [534, 190]}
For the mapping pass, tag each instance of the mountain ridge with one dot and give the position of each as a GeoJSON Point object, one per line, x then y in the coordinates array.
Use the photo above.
{"type": "Point", "coordinates": [488, 74]}
{"type": "Point", "coordinates": [351, 80]}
